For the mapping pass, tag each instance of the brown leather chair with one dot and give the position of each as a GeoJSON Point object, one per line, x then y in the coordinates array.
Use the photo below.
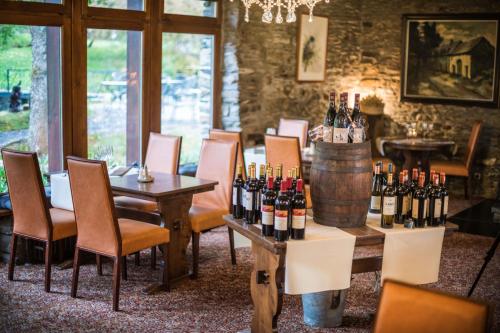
{"type": "Point", "coordinates": [294, 127]}
{"type": "Point", "coordinates": [462, 168]}
{"type": "Point", "coordinates": [100, 232]}
{"type": "Point", "coordinates": [218, 163]}
{"type": "Point", "coordinates": [285, 150]}
{"type": "Point", "coordinates": [33, 219]}
{"type": "Point", "coordinates": [218, 134]}
{"type": "Point", "coordinates": [410, 309]}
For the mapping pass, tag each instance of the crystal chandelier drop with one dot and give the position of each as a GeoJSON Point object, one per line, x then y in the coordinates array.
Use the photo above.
{"type": "Point", "coordinates": [289, 5]}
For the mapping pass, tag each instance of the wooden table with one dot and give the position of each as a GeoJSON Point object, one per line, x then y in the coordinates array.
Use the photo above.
{"type": "Point", "coordinates": [173, 194]}
{"type": "Point", "coordinates": [267, 281]}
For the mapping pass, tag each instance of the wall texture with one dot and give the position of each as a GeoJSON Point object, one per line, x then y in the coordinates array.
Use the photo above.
{"type": "Point", "coordinates": [364, 51]}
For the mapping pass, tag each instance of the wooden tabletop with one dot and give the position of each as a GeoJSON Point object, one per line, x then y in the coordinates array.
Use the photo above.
{"type": "Point", "coordinates": [419, 144]}
{"type": "Point", "coordinates": [163, 185]}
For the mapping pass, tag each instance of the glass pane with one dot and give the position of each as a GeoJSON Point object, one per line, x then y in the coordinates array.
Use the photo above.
{"type": "Point", "coordinates": [42, 1]}
{"type": "Point", "coordinates": [118, 4]}
{"type": "Point", "coordinates": [114, 95]}
{"type": "Point", "coordinates": [30, 93]}
{"type": "Point", "coordinates": [191, 7]}
{"type": "Point", "coordinates": [187, 81]}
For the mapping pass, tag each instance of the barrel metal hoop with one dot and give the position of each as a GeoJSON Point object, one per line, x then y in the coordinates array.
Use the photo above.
{"type": "Point", "coordinates": [341, 170]}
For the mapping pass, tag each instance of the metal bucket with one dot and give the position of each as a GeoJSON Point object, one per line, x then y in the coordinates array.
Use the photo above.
{"type": "Point", "coordinates": [324, 309]}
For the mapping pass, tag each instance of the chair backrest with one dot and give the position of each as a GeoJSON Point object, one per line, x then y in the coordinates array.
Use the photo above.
{"type": "Point", "coordinates": [96, 222]}
{"type": "Point", "coordinates": [163, 153]}
{"type": "Point", "coordinates": [294, 127]}
{"type": "Point", "coordinates": [283, 150]}
{"type": "Point", "coordinates": [472, 144]}
{"type": "Point", "coordinates": [29, 203]}
{"type": "Point", "coordinates": [406, 308]}
{"type": "Point", "coordinates": [217, 163]}
{"type": "Point", "coordinates": [218, 134]}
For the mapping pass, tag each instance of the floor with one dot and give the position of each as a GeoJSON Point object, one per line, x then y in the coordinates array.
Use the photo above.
{"type": "Point", "coordinates": [219, 301]}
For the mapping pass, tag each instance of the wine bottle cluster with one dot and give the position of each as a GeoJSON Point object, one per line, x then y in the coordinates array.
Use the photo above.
{"type": "Point", "coordinates": [412, 201]}
{"type": "Point", "coordinates": [277, 203]}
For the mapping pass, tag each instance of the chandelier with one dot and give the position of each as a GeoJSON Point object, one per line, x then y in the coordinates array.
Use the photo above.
{"type": "Point", "coordinates": [289, 5]}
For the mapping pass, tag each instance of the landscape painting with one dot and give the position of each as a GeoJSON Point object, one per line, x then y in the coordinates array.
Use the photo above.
{"type": "Point", "coordinates": [311, 48]}
{"type": "Point", "coordinates": [450, 59]}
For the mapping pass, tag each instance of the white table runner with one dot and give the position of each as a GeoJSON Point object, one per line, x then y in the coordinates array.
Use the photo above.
{"type": "Point", "coordinates": [410, 255]}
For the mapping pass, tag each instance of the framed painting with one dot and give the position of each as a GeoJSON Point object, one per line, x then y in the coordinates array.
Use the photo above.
{"type": "Point", "coordinates": [311, 48]}
{"type": "Point", "coordinates": [450, 59]}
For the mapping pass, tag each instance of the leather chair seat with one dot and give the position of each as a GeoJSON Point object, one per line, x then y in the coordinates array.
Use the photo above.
{"type": "Point", "coordinates": [137, 235]}
{"type": "Point", "coordinates": [451, 168]}
{"type": "Point", "coordinates": [137, 204]}
{"type": "Point", "coordinates": [63, 223]}
{"type": "Point", "coordinates": [205, 218]}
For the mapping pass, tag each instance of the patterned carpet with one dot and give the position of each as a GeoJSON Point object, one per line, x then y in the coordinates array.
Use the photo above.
{"type": "Point", "coordinates": [219, 301]}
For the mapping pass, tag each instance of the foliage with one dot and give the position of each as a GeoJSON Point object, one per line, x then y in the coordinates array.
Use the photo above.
{"type": "Point", "coordinates": [372, 100]}
{"type": "Point", "coordinates": [14, 121]}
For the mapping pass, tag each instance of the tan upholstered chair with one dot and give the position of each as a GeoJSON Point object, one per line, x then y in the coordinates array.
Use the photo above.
{"type": "Point", "coordinates": [218, 163]}
{"type": "Point", "coordinates": [410, 309]}
{"type": "Point", "coordinates": [100, 232]}
{"type": "Point", "coordinates": [218, 134]}
{"type": "Point", "coordinates": [296, 128]}
{"type": "Point", "coordinates": [285, 150]}
{"type": "Point", "coordinates": [32, 217]}
{"type": "Point", "coordinates": [462, 168]}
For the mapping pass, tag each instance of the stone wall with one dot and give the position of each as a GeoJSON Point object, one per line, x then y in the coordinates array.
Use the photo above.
{"type": "Point", "coordinates": [364, 51]}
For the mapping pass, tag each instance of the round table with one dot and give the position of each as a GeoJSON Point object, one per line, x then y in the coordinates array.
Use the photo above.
{"type": "Point", "coordinates": [416, 151]}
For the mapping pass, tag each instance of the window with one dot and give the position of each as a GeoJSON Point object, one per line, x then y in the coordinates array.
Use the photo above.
{"type": "Point", "coordinates": [30, 93]}
{"type": "Point", "coordinates": [191, 7]}
{"type": "Point", "coordinates": [118, 4]}
{"type": "Point", "coordinates": [114, 95]}
{"type": "Point", "coordinates": [187, 90]}
{"type": "Point", "coordinates": [43, 1]}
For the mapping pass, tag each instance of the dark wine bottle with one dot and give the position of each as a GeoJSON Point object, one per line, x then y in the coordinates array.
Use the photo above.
{"type": "Point", "coordinates": [299, 212]}
{"type": "Point", "coordinates": [402, 200]}
{"type": "Point", "coordinates": [376, 196]}
{"type": "Point", "coordinates": [261, 183]}
{"type": "Point", "coordinates": [388, 204]}
{"type": "Point", "coordinates": [267, 208]}
{"type": "Point", "coordinates": [244, 192]}
{"type": "Point", "coordinates": [342, 122]}
{"type": "Point", "coordinates": [413, 185]}
{"type": "Point", "coordinates": [359, 127]}
{"type": "Point", "coordinates": [419, 205]}
{"type": "Point", "coordinates": [251, 214]}
{"type": "Point", "coordinates": [281, 213]}
{"type": "Point", "coordinates": [435, 202]}
{"type": "Point", "coordinates": [329, 119]}
{"type": "Point", "coordinates": [444, 199]}
{"type": "Point", "coordinates": [279, 178]}
{"type": "Point", "coordinates": [295, 176]}
{"type": "Point", "coordinates": [238, 185]}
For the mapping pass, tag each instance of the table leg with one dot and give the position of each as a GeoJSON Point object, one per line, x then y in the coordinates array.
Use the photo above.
{"type": "Point", "coordinates": [267, 288]}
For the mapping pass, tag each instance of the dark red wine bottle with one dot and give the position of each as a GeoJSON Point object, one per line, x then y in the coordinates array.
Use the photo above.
{"type": "Point", "coordinates": [238, 185]}
{"type": "Point", "coordinates": [444, 199]}
{"type": "Point", "coordinates": [251, 213]}
{"type": "Point", "coordinates": [267, 209]}
{"type": "Point", "coordinates": [281, 214]}
{"type": "Point", "coordinates": [299, 212]}
{"type": "Point", "coordinates": [435, 201]}
{"type": "Point", "coordinates": [419, 205]}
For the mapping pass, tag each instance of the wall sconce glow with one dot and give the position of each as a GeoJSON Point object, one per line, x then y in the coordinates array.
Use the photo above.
{"type": "Point", "coordinates": [289, 5]}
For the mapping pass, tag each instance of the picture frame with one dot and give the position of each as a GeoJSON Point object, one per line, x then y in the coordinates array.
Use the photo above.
{"type": "Point", "coordinates": [451, 59]}
{"type": "Point", "coordinates": [312, 48]}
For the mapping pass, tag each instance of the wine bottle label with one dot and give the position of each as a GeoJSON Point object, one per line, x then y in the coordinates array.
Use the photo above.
{"type": "Point", "coordinates": [327, 133]}
{"type": "Point", "coordinates": [375, 203]}
{"type": "Point", "coordinates": [427, 208]}
{"type": "Point", "coordinates": [414, 212]}
{"type": "Point", "coordinates": [445, 205]}
{"type": "Point", "coordinates": [235, 196]}
{"type": "Point", "coordinates": [244, 198]}
{"type": "Point", "coordinates": [340, 135]}
{"type": "Point", "coordinates": [406, 203]}
{"type": "Point", "coordinates": [249, 200]}
{"type": "Point", "coordinates": [410, 199]}
{"type": "Point", "coordinates": [357, 136]}
{"type": "Point", "coordinates": [267, 214]}
{"type": "Point", "coordinates": [281, 220]}
{"type": "Point", "coordinates": [299, 219]}
{"type": "Point", "coordinates": [389, 206]}
{"type": "Point", "coordinates": [258, 199]}
{"type": "Point", "coordinates": [437, 208]}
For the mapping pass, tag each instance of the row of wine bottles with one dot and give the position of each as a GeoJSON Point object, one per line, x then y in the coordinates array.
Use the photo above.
{"type": "Point", "coordinates": [278, 203]}
{"type": "Point", "coordinates": [409, 201]}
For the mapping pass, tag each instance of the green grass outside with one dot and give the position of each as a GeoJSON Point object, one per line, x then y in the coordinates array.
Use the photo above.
{"type": "Point", "coordinates": [14, 121]}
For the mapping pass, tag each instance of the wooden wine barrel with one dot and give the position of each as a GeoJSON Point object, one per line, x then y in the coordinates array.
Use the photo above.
{"type": "Point", "coordinates": [341, 177]}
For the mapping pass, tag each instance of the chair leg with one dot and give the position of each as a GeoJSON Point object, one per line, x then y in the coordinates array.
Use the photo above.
{"type": "Point", "coordinates": [153, 257]}
{"type": "Point", "coordinates": [48, 264]}
{"type": "Point", "coordinates": [124, 268]}
{"type": "Point", "coordinates": [166, 267]}
{"type": "Point", "coordinates": [196, 254]}
{"type": "Point", "coordinates": [466, 189]}
{"type": "Point", "coordinates": [12, 259]}
{"type": "Point", "coordinates": [137, 258]}
{"type": "Point", "coordinates": [116, 283]}
{"type": "Point", "coordinates": [76, 272]}
{"type": "Point", "coordinates": [98, 261]}
{"type": "Point", "coordinates": [231, 245]}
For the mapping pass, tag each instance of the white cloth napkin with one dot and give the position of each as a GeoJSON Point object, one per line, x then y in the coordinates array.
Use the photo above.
{"type": "Point", "coordinates": [410, 255]}
{"type": "Point", "coordinates": [60, 192]}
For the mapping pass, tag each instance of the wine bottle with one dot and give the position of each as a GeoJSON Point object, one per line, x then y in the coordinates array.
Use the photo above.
{"type": "Point", "coordinates": [435, 202]}
{"type": "Point", "coordinates": [402, 199]}
{"type": "Point", "coordinates": [295, 177]}
{"type": "Point", "coordinates": [342, 122]}
{"type": "Point", "coordinates": [244, 192]}
{"type": "Point", "coordinates": [267, 208]}
{"type": "Point", "coordinates": [419, 205]}
{"type": "Point", "coordinates": [238, 185]}
{"type": "Point", "coordinates": [329, 119]}
{"type": "Point", "coordinates": [444, 199]}
{"type": "Point", "coordinates": [359, 122]}
{"type": "Point", "coordinates": [279, 178]}
{"type": "Point", "coordinates": [299, 212]}
{"type": "Point", "coordinates": [289, 180]}
{"type": "Point", "coordinates": [281, 211]}
{"type": "Point", "coordinates": [251, 215]}
{"type": "Point", "coordinates": [388, 204]}
{"type": "Point", "coordinates": [376, 195]}
{"type": "Point", "coordinates": [261, 183]}
{"type": "Point", "coordinates": [413, 185]}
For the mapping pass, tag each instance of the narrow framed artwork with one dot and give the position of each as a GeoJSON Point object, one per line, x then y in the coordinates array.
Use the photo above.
{"type": "Point", "coordinates": [312, 38]}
